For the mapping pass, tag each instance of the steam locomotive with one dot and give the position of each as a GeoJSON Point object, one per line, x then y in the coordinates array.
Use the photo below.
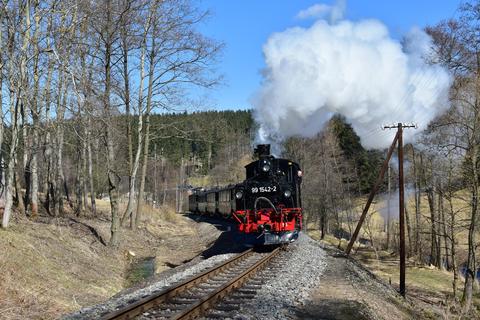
{"type": "Point", "coordinates": [266, 206]}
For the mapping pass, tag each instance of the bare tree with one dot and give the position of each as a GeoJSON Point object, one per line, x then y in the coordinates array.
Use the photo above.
{"type": "Point", "coordinates": [17, 84]}
{"type": "Point", "coordinates": [457, 45]}
{"type": "Point", "coordinates": [178, 57]}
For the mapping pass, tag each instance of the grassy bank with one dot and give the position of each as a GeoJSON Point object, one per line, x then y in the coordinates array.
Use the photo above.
{"type": "Point", "coordinates": [53, 266]}
{"type": "Point", "coordinates": [427, 287]}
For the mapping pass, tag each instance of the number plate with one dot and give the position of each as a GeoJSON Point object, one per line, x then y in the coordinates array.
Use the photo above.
{"type": "Point", "coordinates": [266, 189]}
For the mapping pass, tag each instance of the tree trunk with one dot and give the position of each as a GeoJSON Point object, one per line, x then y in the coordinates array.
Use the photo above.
{"type": "Point", "coordinates": [133, 177]}
{"type": "Point", "coordinates": [34, 172]}
{"type": "Point", "coordinates": [155, 200]}
{"type": "Point", "coordinates": [131, 171]}
{"type": "Point", "coordinates": [418, 194]}
{"type": "Point", "coordinates": [126, 78]}
{"type": "Point", "coordinates": [10, 173]}
{"type": "Point", "coordinates": [471, 263]}
{"type": "Point", "coordinates": [409, 232]}
{"type": "Point", "coordinates": [322, 223]}
{"type": "Point", "coordinates": [90, 173]}
{"type": "Point", "coordinates": [59, 140]}
{"type": "Point", "coordinates": [147, 124]}
{"type": "Point", "coordinates": [79, 205]}
{"type": "Point", "coordinates": [181, 184]}
{"type": "Point", "coordinates": [15, 97]}
{"type": "Point", "coordinates": [12, 160]}
{"type": "Point", "coordinates": [88, 144]}
{"type": "Point", "coordinates": [25, 163]}
{"type": "Point", "coordinates": [47, 151]}
{"type": "Point", "coordinates": [165, 183]}
{"type": "Point", "coordinates": [438, 232]}
{"type": "Point", "coordinates": [209, 157]}
{"type": "Point", "coordinates": [113, 178]}
{"type": "Point", "coordinates": [443, 225]}
{"type": "Point", "coordinates": [453, 266]}
{"type": "Point", "coordinates": [433, 229]}
{"type": "Point", "coordinates": [35, 118]}
{"type": "Point", "coordinates": [85, 170]}
{"type": "Point", "coordinates": [135, 165]}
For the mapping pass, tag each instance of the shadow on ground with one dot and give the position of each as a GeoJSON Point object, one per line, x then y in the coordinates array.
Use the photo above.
{"type": "Point", "coordinates": [333, 309]}
{"type": "Point", "coordinates": [229, 241]}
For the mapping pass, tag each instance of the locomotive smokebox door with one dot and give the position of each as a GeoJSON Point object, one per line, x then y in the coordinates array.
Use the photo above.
{"type": "Point", "coordinates": [262, 150]}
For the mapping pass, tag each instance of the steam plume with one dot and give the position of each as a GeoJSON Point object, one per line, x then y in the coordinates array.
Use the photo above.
{"type": "Point", "coordinates": [352, 68]}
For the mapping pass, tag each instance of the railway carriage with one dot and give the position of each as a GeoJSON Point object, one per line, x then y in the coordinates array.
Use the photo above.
{"type": "Point", "coordinates": [266, 205]}
{"type": "Point", "coordinates": [201, 201]}
{"type": "Point", "coordinates": [193, 201]}
{"type": "Point", "coordinates": [212, 201]}
{"type": "Point", "coordinates": [226, 201]}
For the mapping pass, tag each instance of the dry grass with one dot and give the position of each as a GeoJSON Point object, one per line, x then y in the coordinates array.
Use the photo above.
{"type": "Point", "coordinates": [102, 205]}
{"type": "Point", "coordinates": [425, 284]}
{"type": "Point", "coordinates": [376, 221]}
{"type": "Point", "coordinates": [49, 269]}
{"type": "Point", "coordinates": [149, 213]}
{"type": "Point", "coordinates": [200, 181]}
{"type": "Point", "coordinates": [54, 267]}
{"type": "Point", "coordinates": [162, 214]}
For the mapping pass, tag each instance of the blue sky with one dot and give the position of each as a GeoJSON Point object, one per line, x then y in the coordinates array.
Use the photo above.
{"type": "Point", "coordinates": [245, 25]}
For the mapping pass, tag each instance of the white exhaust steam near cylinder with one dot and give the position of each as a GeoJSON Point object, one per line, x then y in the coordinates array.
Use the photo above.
{"type": "Point", "coordinates": [353, 68]}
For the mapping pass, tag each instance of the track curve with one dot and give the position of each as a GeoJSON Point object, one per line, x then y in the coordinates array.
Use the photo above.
{"type": "Point", "coordinates": [193, 297]}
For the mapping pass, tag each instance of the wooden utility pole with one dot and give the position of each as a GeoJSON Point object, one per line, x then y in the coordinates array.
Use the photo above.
{"type": "Point", "coordinates": [401, 208]}
{"type": "Point", "coordinates": [398, 139]}
{"type": "Point", "coordinates": [401, 201]}
{"type": "Point", "coordinates": [388, 208]}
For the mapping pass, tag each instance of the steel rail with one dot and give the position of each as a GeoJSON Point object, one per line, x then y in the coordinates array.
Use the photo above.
{"type": "Point", "coordinates": [137, 308]}
{"type": "Point", "coordinates": [201, 306]}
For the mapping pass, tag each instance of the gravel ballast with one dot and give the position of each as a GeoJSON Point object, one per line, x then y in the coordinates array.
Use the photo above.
{"type": "Point", "coordinates": [121, 300]}
{"type": "Point", "coordinates": [288, 286]}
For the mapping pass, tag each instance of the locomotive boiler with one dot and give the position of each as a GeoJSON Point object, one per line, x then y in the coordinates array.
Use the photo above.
{"type": "Point", "coordinates": [266, 205]}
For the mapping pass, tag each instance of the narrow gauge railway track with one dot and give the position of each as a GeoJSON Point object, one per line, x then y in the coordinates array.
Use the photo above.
{"type": "Point", "coordinates": [193, 297]}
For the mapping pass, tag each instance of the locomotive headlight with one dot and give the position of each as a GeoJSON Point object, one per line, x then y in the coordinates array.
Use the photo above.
{"type": "Point", "coordinates": [239, 195]}
{"type": "Point", "coordinates": [287, 193]}
{"type": "Point", "coordinates": [266, 167]}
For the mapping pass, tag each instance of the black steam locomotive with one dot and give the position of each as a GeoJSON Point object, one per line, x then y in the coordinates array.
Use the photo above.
{"type": "Point", "coordinates": [267, 205]}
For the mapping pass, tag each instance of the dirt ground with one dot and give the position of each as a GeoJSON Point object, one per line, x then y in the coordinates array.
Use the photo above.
{"type": "Point", "coordinates": [348, 291]}
{"type": "Point", "coordinates": [53, 266]}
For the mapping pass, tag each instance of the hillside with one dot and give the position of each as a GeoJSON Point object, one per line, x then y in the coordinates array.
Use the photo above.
{"type": "Point", "coordinates": [51, 267]}
{"type": "Point", "coordinates": [429, 287]}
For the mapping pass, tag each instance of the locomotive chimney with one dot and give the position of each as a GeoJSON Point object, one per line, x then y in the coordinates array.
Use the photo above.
{"type": "Point", "coordinates": [262, 151]}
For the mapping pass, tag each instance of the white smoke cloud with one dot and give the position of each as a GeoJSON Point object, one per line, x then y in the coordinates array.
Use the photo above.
{"type": "Point", "coordinates": [352, 68]}
{"type": "Point", "coordinates": [384, 207]}
{"type": "Point", "coordinates": [321, 10]}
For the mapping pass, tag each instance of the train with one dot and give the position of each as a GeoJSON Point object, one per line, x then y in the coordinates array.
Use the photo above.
{"type": "Point", "coordinates": [266, 206]}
